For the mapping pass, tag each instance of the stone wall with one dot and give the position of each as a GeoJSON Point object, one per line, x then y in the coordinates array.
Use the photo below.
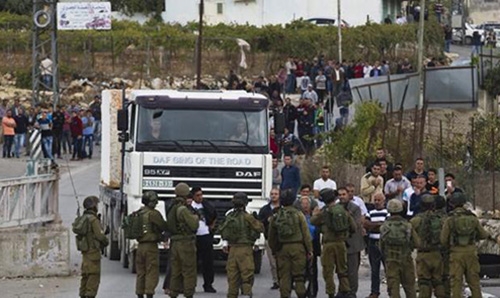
{"type": "Point", "coordinates": [484, 11]}
{"type": "Point", "coordinates": [34, 252]}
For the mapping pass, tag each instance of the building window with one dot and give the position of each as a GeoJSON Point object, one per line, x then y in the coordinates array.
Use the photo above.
{"type": "Point", "coordinates": [220, 8]}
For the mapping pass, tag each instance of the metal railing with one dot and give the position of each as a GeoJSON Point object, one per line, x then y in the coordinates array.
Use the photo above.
{"type": "Point", "coordinates": [29, 200]}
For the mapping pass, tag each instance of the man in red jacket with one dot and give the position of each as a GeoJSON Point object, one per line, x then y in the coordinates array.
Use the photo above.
{"type": "Point", "coordinates": [76, 127]}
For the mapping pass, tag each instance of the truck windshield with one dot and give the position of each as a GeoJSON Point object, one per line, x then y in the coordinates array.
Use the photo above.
{"type": "Point", "coordinates": [197, 130]}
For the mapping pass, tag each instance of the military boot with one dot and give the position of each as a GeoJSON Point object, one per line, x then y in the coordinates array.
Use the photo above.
{"type": "Point", "coordinates": [140, 296]}
{"type": "Point", "coordinates": [149, 296]}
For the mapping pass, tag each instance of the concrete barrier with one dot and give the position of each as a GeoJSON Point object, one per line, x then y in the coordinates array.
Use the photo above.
{"type": "Point", "coordinates": [34, 252]}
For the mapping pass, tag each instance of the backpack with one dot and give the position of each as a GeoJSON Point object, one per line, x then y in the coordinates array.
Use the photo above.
{"type": "Point", "coordinates": [286, 224]}
{"type": "Point", "coordinates": [396, 233]}
{"type": "Point", "coordinates": [337, 219]}
{"type": "Point", "coordinates": [430, 230]}
{"type": "Point", "coordinates": [464, 229]}
{"type": "Point", "coordinates": [81, 228]}
{"type": "Point", "coordinates": [233, 226]}
{"type": "Point", "coordinates": [133, 225]}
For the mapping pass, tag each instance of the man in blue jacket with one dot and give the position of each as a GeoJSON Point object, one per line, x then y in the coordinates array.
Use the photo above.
{"type": "Point", "coordinates": [290, 175]}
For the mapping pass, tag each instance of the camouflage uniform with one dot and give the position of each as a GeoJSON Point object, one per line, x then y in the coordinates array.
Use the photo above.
{"type": "Point", "coordinates": [463, 256]}
{"type": "Point", "coordinates": [183, 245]}
{"type": "Point", "coordinates": [91, 259]}
{"type": "Point", "coordinates": [240, 265]}
{"type": "Point", "coordinates": [445, 252]}
{"type": "Point", "coordinates": [429, 258]}
{"type": "Point", "coordinates": [147, 255]}
{"type": "Point", "coordinates": [334, 253]}
{"type": "Point", "coordinates": [291, 254]}
{"type": "Point", "coordinates": [400, 269]}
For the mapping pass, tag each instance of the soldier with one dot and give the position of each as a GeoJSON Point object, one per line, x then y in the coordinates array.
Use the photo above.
{"type": "Point", "coordinates": [445, 252]}
{"type": "Point", "coordinates": [428, 225]}
{"type": "Point", "coordinates": [397, 241]}
{"type": "Point", "coordinates": [91, 259]}
{"type": "Point", "coordinates": [182, 225]}
{"type": "Point", "coordinates": [240, 230]}
{"type": "Point", "coordinates": [147, 259]}
{"type": "Point", "coordinates": [290, 242]}
{"type": "Point", "coordinates": [460, 233]}
{"type": "Point", "coordinates": [336, 226]}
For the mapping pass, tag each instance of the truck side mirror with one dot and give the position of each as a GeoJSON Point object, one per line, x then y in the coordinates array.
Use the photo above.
{"type": "Point", "coordinates": [122, 120]}
{"type": "Point", "coordinates": [279, 123]}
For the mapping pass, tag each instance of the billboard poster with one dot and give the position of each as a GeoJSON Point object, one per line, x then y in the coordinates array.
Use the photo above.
{"type": "Point", "coordinates": [84, 16]}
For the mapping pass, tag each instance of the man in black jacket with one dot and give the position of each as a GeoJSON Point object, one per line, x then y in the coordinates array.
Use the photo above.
{"type": "Point", "coordinates": [205, 237]}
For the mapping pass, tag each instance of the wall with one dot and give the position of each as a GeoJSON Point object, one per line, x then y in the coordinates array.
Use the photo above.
{"type": "Point", "coordinates": [34, 252]}
{"type": "Point", "coordinates": [262, 12]}
{"type": "Point", "coordinates": [484, 11]}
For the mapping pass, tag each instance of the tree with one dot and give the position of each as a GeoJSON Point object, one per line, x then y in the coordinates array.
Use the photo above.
{"type": "Point", "coordinates": [23, 7]}
{"type": "Point", "coordinates": [148, 7]}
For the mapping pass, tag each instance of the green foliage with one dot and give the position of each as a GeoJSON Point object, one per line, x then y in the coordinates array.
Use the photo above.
{"type": "Point", "coordinates": [23, 79]}
{"type": "Point", "coordinates": [148, 7]}
{"type": "Point", "coordinates": [12, 21]}
{"type": "Point", "coordinates": [356, 142]}
{"type": "Point", "coordinates": [486, 142]}
{"type": "Point", "coordinates": [492, 81]}
{"type": "Point", "coordinates": [20, 7]}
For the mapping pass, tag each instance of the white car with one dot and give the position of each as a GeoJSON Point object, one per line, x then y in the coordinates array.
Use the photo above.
{"type": "Point", "coordinates": [469, 31]}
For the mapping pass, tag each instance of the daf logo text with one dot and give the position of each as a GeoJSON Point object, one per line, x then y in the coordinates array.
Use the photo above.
{"type": "Point", "coordinates": [248, 174]}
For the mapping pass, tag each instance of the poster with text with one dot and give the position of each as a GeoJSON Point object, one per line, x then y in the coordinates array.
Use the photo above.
{"type": "Point", "coordinates": [84, 16]}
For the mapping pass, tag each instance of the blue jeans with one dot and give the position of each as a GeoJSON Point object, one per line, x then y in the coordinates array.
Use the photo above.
{"type": "Point", "coordinates": [97, 131]}
{"type": "Point", "coordinates": [18, 143]}
{"type": "Point", "coordinates": [88, 140]}
{"type": "Point", "coordinates": [447, 44]}
{"type": "Point", "coordinates": [47, 147]}
{"type": "Point", "coordinates": [290, 84]}
{"type": "Point", "coordinates": [77, 147]}
{"type": "Point", "coordinates": [376, 259]}
{"type": "Point", "coordinates": [7, 145]}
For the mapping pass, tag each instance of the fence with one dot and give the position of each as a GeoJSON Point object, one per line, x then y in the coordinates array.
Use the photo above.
{"type": "Point", "coordinates": [29, 200]}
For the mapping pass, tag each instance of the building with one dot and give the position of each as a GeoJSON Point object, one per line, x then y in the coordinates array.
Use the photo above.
{"type": "Point", "coordinates": [481, 11]}
{"type": "Point", "coordinates": [264, 12]}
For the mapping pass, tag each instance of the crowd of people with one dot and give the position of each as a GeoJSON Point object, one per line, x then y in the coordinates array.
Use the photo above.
{"type": "Point", "coordinates": [64, 130]}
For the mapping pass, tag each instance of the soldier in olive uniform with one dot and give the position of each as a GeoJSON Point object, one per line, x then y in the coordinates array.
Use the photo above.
{"type": "Point", "coordinates": [240, 236]}
{"type": "Point", "coordinates": [91, 259]}
{"type": "Point", "coordinates": [397, 240]}
{"type": "Point", "coordinates": [445, 252]}
{"type": "Point", "coordinates": [182, 225]}
{"type": "Point", "coordinates": [334, 254]}
{"type": "Point", "coordinates": [147, 255]}
{"type": "Point", "coordinates": [460, 233]}
{"type": "Point", "coordinates": [428, 225]}
{"type": "Point", "coordinates": [291, 251]}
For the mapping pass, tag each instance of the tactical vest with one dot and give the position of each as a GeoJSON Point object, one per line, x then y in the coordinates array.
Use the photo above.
{"type": "Point", "coordinates": [463, 228]}
{"type": "Point", "coordinates": [236, 229]}
{"type": "Point", "coordinates": [149, 230]}
{"type": "Point", "coordinates": [174, 226]}
{"type": "Point", "coordinates": [429, 230]}
{"type": "Point", "coordinates": [396, 237]}
{"type": "Point", "coordinates": [287, 224]}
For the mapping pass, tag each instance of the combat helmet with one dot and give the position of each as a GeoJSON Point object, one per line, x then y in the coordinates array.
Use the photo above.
{"type": "Point", "coordinates": [90, 202]}
{"type": "Point", "coordinates": [150, 198]}
{"type": "Point", "coordinates": [428, 202]}
{"type": "Point", "coordinates": [458, 199]}
{"type": "Point", "coordinates": [182, 190]}
{"type": "Point", "coordinates": [240, 199]}
{"type": "Point", "coordinates": [395, 206]}
{"type": "Point", "coordinates": [328, 195]}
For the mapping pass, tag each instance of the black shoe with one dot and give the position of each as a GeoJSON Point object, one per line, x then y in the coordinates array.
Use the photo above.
{"type": "Point", "coordinates": [275, 286]}
{"type": "Point", "coordinates": [149, 295]}
{"type": "Point", "coordinates": [209, 289]}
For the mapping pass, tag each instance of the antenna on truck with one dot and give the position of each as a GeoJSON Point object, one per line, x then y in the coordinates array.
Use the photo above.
{"type": "Point", "coordinates": [74, 188]}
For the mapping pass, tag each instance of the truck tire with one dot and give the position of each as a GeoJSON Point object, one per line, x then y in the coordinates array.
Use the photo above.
{"type": "Point", "coordinates": [257, 259]}
{"type": "Point", "coordinates": [131, 262]}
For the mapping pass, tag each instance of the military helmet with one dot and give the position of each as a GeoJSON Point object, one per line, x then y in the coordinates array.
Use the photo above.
{"type": "Point", "coordinates": [287, 197]}
{"type": "Point", "coordinates": [240, 199]}
{"type": "Point", "coordinates": [182, 190]}
{"type": "Point", "coordinates": [90, 202]}
{"type": "Point", "coordinates": [328, 195]}
{"type": "Point", "coordinates": [395, 206]}
{"type": "Point", "coordinates": [428, 199]}
{"type": "Point", "coordinates": [440, 202]}
{"type": "Point", "coordinates": [150, 198]}
{"type": "Point", "coordinates": [458, 199]}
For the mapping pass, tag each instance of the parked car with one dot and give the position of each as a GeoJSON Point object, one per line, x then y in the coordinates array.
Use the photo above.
{"type": "Point", "coordinates": [469, 31]}
{"type": "Point", "coordinates": [327, 22]}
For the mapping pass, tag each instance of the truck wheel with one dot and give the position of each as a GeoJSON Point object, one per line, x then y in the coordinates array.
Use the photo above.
{"type": "Point", "coordinates": [257, 259]}
{"type": "Point", "coordinates": [131, 261]}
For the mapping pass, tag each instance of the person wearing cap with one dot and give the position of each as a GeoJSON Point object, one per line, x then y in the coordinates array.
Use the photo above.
{"type": "Point", "coordinates": [91, 259]}
{"type": "Point", "coordinates": [310, 94]}
{"type": "Point", "coordinates": [240, 229]}
{"type": "Point", "coordinates": [334, 253]}
{"type": "Point", "coordinates": [182, 226]}
{"type": "Point", "coordinates": [397, 240]}
{"type": "Point", "coordinates": [147, 259]}
{"type": "Point", "coordinates": [461, 231]}
{"type": "Point", "coordinates": [429, 259]}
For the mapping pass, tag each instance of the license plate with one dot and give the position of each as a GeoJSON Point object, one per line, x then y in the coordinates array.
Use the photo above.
{"type": "Point", "coordinates": [148, 183]}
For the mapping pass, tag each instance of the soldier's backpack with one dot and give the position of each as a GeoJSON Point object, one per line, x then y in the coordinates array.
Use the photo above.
{"type": "Point", "coordinates": [232, 228]}
{"type": "Point", "coordinates": [396, 233]}
{"type": "Point", "coordinates": [464, 229]}
{"type": "Point", "coordinates": [337, 219]}
{"type": "Point", "coordinates": [430, 230]}
{"type": "Point", "coordinates": [80, 227]}
{"type": "Point", "coordinates": [286, 223]}
{"type": "Point", "coordinates": [133, 225]}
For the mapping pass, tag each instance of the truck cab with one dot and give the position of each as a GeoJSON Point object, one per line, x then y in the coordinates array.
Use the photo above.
{"type": "Point", "coordinates": [216, 140]}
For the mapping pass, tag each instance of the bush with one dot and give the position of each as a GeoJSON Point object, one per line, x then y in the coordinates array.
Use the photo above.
{"type": "Point", "coordinates": [23, 79]}
{"type": "Point", "coordinates": [491, 81]}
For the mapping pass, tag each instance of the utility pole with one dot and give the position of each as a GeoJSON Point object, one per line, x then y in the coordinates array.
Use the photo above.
{"type": "Point", "coordinates": [421, 48]}
{"type": "Point", "coordinates": [199, 45]}
{"type": "Point", "coordinates": [339, 28]}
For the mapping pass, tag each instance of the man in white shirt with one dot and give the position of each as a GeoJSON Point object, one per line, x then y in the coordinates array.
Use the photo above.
{"type": "Point", "coordinates": [356, 200]}
{"type": "Point", "coordinates": [395, 187]}
{"type": "Point", "coordinates": [407, 196]}
{"type": "Point", "coordinates": [205, 237]}
{"type": "Point", "coordinates": [323, 182]}
{"type": "Point", "coordinates": [310, 94]}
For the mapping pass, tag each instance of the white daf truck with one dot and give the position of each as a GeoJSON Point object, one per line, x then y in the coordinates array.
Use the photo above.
{"type": "Point", "coordinates": [217, 140]}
